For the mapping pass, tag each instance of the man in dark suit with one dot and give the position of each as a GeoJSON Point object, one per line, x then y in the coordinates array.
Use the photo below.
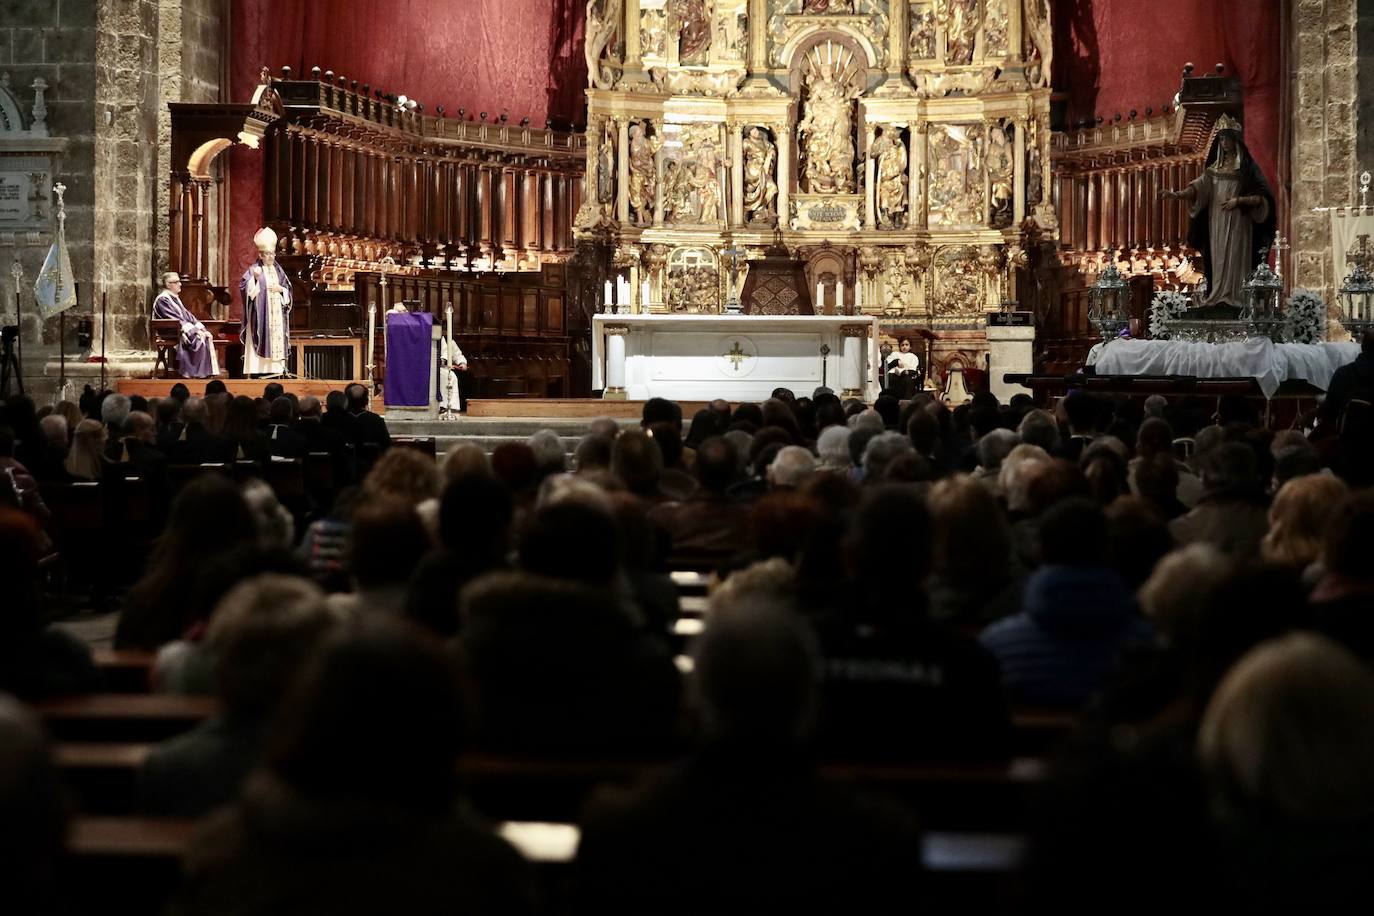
{"type": "Point", "coordinates": [196, 444]}
{"type": "Point", "coordinates": [327, 439]}
{"type": "Point", "coordinates": [282, 437]}
{"type": "Point", "coordinates": [369, 428]}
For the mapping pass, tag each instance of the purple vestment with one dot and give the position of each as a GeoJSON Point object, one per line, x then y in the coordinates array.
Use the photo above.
{"type": "Point", "coordinates": [255, 310]}
{"type": "Point", "coordinates": [194, 353]}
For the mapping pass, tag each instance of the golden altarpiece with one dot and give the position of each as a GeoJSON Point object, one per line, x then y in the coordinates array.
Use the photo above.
{"type": "Point", "coordinates": [898, 150]}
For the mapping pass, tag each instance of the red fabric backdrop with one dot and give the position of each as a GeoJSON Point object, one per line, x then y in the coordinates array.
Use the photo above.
{"type": "Point", "coordinates": [1115, 55]}
{"type": "Point", "coordinates": [524, 56]}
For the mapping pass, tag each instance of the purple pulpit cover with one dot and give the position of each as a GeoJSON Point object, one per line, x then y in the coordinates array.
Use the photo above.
{"type": "Point", "coordinates": [408, 357]}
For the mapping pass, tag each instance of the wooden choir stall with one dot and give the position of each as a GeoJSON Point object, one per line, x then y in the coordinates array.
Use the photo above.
{"type": "Point", "coordinates": [375, 202]}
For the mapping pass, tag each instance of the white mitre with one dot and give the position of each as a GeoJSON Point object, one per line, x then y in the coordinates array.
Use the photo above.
{"type": "Point", "coordinates": [265, 240]}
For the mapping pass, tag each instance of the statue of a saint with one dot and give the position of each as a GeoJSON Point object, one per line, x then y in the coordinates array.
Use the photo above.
{"type": "Point", "coordinates": [643, 181]}
{"type": "Point", "coordinates": [605, 170]}
{"type": "Point", "coordinates": [890, 184]}
{"type": "Point", "coordinates": [1000, 158]}
{"type": "Point", "coordinates": [707, 185]}
{"type": "Point", "coordinates": [760, 186]}
{"type": "Point", "coordinates": [694, 38]}
{"type": "Point", "coordinates": [1232, 212]}
{"type": "Point", "coordinates": [827, 134]}
{"type": "Point", "coordinates": [1040, 36]}
{"type": "Point", "coordinates": [677, 192]}
{"type": "Point", "coordinates": [603, 19]}
{"type": "Point", "coordinates": [266, 292]}
{"type": "Point", "coordinates": [962, 19]}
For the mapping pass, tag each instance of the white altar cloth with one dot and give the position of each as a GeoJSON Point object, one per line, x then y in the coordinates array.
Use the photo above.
{"type": "Point", "coordinates": [687, 357]}
{"type": "Point", "coordinates": [1268, 363]}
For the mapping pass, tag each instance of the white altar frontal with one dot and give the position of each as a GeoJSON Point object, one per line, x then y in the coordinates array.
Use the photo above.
{"type": "Point", "coordinates": [693, 357]}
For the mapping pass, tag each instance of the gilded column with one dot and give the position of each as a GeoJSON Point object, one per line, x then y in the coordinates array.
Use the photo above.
{"type": "Point", "coordinates": [634, 57]}
{"type": "Point", "coordinates": [758, 37]}
{"type": "Point", "coordinates": [784, 134]}
{"type": "Point", "coordinates": [736, 174]}
{"type": "Point", "coordinates": [622, 198]}
{"type": "Point", "coordinates": [916, 173]}
{"type": "Point", "coordinates": [896, 42]}
{"type": "Point", "coordinates": [870, 205]}
{"type": "Point", "coordinates": [1019, 169]}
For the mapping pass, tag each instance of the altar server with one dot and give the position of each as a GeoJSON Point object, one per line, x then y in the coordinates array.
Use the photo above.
{"type": "Point", "coordinates": [266, 291]}
{"type": "Point", "coordinates": [452, 361]}
{"type": "Point", "coordinates": [196, 352]}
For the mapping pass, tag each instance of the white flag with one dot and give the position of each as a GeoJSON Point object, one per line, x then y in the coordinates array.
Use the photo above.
{"type": "Point", "coordinates": [55, 288]}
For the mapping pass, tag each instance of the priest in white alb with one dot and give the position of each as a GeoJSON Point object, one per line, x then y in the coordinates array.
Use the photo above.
{"type": "Point", "coordinates": [266, 291]}
{"type": "Point", "coordinates": [196, 351]}
{"type": "Point", "coordinates": [452, 361]}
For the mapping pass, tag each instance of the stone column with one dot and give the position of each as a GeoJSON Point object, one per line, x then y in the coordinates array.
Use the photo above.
{"type": "Point", "coordinates": [1014, 48]}
{"type": "Point", "coordinates": [622, 198]}
{"type": "Point", "coordinates": [784, 135]}
{"type": "Point", "coordinates": [660, 161]}
{"type": "Point", "coordinates": [896, 42]}
{"type": "Point", "coordinates": [615, 362]}
{"type": "Point", "coordinates": [736, 174]}
{"type": "Point", "coordinates": [852, 360]}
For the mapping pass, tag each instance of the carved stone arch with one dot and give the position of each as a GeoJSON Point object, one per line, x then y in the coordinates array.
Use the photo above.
{"type": "Point", "coordinates": [11, 117]}
{"type": "Point", "coordinates": [829, 266]}
{"type": "Point", "coordinates": [795, 51]}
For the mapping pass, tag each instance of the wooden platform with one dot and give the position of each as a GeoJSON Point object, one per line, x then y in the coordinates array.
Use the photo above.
{"type": "Point", "coordinates": [252, 387]}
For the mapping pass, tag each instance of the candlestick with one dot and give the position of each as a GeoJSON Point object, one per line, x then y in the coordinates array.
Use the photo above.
{"type": "Point", "coordinates": [609, 302]}
{"type": "Point", "coordinates": [820, 298]}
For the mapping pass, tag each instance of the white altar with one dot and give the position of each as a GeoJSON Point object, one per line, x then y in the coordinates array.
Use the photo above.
{"type": "Point", "coordinates": [686, 357]}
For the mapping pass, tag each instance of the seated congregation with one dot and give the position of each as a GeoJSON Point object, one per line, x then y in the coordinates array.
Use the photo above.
{"type": "Point", "coordinates": [897, 585]}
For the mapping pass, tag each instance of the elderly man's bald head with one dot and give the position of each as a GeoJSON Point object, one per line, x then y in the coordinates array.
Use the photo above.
{"type": "Point", "coordinates": [310, 407]}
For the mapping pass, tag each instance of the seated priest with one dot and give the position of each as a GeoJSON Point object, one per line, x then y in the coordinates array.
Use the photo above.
{"type": "Point", "coordinates": [196, 352]}
{"type": "Point", "coordinates": [903, 368]}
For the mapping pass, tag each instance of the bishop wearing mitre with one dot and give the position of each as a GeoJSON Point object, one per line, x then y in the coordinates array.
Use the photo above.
{"type": "Point", "coordinates": [196, 351]}
{"type": "Point", "coordinates": [266, 292]}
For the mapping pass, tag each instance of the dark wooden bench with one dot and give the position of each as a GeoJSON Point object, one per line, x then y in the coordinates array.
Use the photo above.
{"type": "Point", "coordinates": [124, 670]}
{"type": "Point", "coordinates": [123, 717]}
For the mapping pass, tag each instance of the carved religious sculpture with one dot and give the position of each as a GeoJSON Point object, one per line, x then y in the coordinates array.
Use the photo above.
{"type": "Point", "coordinates": [827, 133]}
{"type": "Point", "coordinates": [1000, 165]}
{"type": "Point", "coordinates": [603, 21]}
{"type": "Point", "coordinates": [694, 35]}
{"type": "Point", "coordinates": [890, 154]}
{"type": "Point", "coordinates": [760, 186]}
{"type": "Point", "coordinates": [643, 181]}
{"type": "Point", "coordinates": [1232, 212]}
{"type": "Point", "coordinates": [827, 6]}
{"type": "Point", "coordinates": [677, 193]}
{"type": "Point", "coordinates": [1040, 36]}
{"type": "Point", "coordinates": [605, 170]}
{"type": "Point", "coordinates": [707, 187]}
{"type": "Point", "coordinates": [961, 20]}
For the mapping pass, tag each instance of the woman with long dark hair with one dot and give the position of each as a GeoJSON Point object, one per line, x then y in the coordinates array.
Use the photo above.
{"type": "Point", "coordinates": [242, 430]}
{"type": "Point", "coordinates": [208, 518]}
{"type": "Point", "coordinates": [1232, 212]}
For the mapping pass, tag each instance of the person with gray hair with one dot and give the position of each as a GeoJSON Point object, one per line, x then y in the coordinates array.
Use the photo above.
{"type": "Point", "coordinates": [747, 824]}
{"type": "Point", "coordinates": [549, 455]}
{"type": "Point", "coordinates": [1040, 428]}
{"type": "Point", "coordinates": [791, 468]}
{"type": "Point", "coordinates": [992, 449]}
{"type": "Point", "coordinates": [881, 450]}
{"type": "Point", "coordinates": [261, 633]}
{"type": "Point", "coordinates": [833, 448]}
{"type": "Point", "coordinates": [1155, 405]}
{"type": "Point", "coordinates": [114, 410]}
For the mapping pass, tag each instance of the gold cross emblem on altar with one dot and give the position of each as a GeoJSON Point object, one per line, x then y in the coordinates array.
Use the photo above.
{"type": "Point", "coordinates": [736, 355]}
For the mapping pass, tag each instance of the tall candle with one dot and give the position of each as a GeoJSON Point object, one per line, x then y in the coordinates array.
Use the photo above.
{"type": "Point", "coordinates": [644, 296]}
{"type": "Point", "coordinates": [820, 298]}
{"type": "Point", "coordinates": [609, 302]}
{"type": "Point", "coordinates": [858, 296]}
{"type": "Point", "coordinates": [448, 322]}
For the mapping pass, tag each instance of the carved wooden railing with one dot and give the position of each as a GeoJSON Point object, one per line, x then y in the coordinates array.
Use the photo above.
{"type": "Point", "coordinates": [1106, 179]}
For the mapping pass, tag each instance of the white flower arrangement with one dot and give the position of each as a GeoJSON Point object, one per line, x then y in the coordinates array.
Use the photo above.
{"type": "Point", "coordinates": [1167, 306]}
{"type": "Point", "coordinates": [1305, 319]}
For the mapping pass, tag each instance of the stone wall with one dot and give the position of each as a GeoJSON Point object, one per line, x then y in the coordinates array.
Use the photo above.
{"type": "Point", "coordinates": [54, 40]}
{"type": "Point", "coordinates": [1364, 116]}
{"type": "Point", "coordinates": [1324, 109]}
{"type": "Point", "coordinates": [189, 70]}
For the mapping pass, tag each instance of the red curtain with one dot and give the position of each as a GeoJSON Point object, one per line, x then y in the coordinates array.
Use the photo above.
{"type": "Point", "coordinates": [522, 57]}
{"type": "Point", "coordinates": [1113, 55]}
